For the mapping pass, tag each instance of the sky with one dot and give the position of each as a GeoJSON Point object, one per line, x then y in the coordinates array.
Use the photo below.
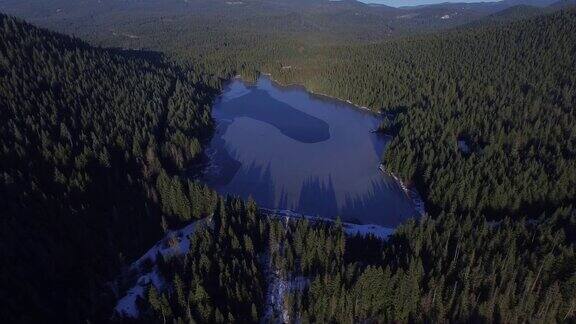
{"type": "Point", "coordinates": [399, 3]}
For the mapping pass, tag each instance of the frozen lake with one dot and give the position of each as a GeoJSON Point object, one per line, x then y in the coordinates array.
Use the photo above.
{"type": "Point", "coordinates": [290, 149]}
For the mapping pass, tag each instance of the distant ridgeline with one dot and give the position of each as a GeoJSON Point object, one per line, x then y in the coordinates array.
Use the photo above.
{"type": "Point", "coordinates": [507, 93]}
{"type": "Point", "coordinates": [240, 36]}
{"type": "Point", "coordinates": [94, 141]}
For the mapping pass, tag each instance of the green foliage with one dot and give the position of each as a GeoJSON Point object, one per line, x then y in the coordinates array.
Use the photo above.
{"type": "Point", "coordinates": [220, 274]}
{"type": "Point", "coordinates": [80, 132]}
{"type": "Point", "coordinates": [95, 145]}
{"type": "Point", "coordinates": [447, 269]}
{"type": "Point", "coordinates": [507, 92]}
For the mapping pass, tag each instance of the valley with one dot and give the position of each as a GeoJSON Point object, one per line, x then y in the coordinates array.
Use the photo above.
{"type": "Point", "coordinates": [143, 180]}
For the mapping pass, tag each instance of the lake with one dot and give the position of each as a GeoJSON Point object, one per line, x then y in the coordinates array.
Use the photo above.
{"type": "Point", "coordinates": [290, 149]}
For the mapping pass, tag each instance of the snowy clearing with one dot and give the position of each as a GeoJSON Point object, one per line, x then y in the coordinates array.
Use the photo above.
{"type": "Point", "coordinates": [377, 231]}
{"type": "Point", "coordinates": [175, 243]}
{"type": "Point", "coordinates": [277, 286]}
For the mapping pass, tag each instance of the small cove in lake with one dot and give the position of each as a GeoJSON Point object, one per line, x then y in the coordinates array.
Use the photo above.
{"type": "Point", "coordinates": [290, 149]}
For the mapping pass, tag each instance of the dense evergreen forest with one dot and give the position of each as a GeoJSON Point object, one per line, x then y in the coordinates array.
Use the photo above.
{"type": "Point", "coordinates": [220, 279]}
{"type": "Point", "coordinates": [507, 94]}
{"type": "Point", "coordinates": [94, 143]}
{"type": "Point", "coordinates": [223, 37]}
{"type": "Point", "coordinates": [91, 142]}
{"type": "Point", "coordinates": [451, 268]}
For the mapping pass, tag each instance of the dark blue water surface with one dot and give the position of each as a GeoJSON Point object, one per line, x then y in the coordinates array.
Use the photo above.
{"type": "Point", "coordinates": [290, 149]}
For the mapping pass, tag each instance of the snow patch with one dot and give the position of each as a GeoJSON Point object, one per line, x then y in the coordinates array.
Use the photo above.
{"type": "Point", "coordinates": [379, 232]}
{"type": "Point", "coordinates": [175, 243]}
{"type": "Point", "coordinates": [126, 306]}
{"type": "Point", "coordinates": [275, 310]}
{"type": "Point", "coordinates": [351, 229]}
{"type": "Point", "coordinates": [408, 16]}
{"type": "Point", "coordinates": [180, 244]}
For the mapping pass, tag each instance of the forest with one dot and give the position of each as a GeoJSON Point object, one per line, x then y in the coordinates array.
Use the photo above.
{"type": "Point", "coordinates": [92, 141]}
{"type": "Point", "coordinates": [507, 93]}
{"type": "Point", "coordinates": [95, 141]}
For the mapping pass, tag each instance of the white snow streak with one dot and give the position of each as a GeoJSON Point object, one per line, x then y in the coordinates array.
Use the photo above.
{"type": "Point", "coordinates": [377, 231]}
{"type": "Point", "coordinates": [277, 286]}
{"type": "Point", "coordinates": [175, 243]}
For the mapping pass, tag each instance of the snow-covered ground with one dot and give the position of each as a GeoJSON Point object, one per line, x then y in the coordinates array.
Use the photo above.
{"type": "Point", "coordinates": [274, 311]}
{"type": "Point", "coordinates": [377, 231]}
{"type": "Point", "coordinates": [175, 243]}
{"type": "Point", "coordinates": [368, 229]}
{"type": "Point", "coordinates": [277, 287]}
{"type": "Point", "coordinates": [126, 306]}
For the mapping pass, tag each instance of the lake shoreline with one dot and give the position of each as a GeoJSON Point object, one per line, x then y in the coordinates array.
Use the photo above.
{"type": "Point", "coordinates": [363, 108]}
{"type": "Point", "coordinates": [409, 190]}
{"type": "Point", "coordinates": [350, 228]}
{"type": "Point", "coordinates": [328, 188]}
{"type": "Point", "coordinates": [320, 94]}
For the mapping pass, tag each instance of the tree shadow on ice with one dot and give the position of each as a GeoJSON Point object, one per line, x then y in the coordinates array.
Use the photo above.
{"type": "Point", "coordinates": [383, 204]}
{"type": "Point", "coordinates": [253, 180]}
{"type": "Point", "coordinates": [317, 197]}
{"type": "Point", "coordinates": [284, 201]}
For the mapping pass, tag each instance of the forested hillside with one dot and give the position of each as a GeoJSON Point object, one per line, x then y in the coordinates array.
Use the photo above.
{"type": "Point", "coordinates": [484, 118]}
{"type": "Point", "coordinates": [453, 268]}
{"type": "Point", "coordinates": [85, 132]}
{"type": "Point", "coordinates": [484, 124]}
{"type": "Point", "coordinates": [221, 277]}
{"type": "Point", "coordinates": [96, 146]}
{"type": "Point", "coordinates": [242, 34]}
